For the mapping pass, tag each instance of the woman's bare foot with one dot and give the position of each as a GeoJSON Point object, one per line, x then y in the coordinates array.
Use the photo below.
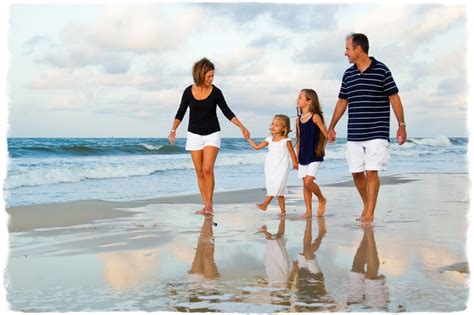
{"type": "Point", "coordinates": [282, 214]}
{"type": "Point", "coordinates": [321, 207]}
{"type": "Point", "coordinates": [261, 206]}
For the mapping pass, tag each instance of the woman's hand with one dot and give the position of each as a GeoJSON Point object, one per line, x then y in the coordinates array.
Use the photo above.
{"type": "Point", "coordinates": [245, 132]}
{"type": "Point", "coordinates": [172, 136]}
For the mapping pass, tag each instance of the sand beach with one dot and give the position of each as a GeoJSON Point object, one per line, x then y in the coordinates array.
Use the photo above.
{"type": "Point", "coordinates": [156, 255]}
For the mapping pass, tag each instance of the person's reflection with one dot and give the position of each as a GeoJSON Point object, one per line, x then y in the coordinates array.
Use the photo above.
{"type": "Point", "coordinates": [306, 277]}
{"type": "Point", "coordinates": [204, 268]}
{"type": "Point", "coordinates": [366, 286]}
{"type": "Point", "coordinates": [277, 262]}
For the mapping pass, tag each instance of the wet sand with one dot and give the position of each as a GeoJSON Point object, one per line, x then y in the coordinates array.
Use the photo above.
{"type": "Point", "coordinates": [156, 255]}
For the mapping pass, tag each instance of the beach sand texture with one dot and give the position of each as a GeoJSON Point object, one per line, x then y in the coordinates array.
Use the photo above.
{"type": "Point", "coordinates": [156, 255]}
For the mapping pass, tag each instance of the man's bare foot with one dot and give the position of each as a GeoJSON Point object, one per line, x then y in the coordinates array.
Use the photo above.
{"type": "Point", "coordinates": [306, 215]}
{"type": "Point", "coordinates": [282, 214]}
{"type": "Point", "coordinates": [366, 219]}
{"type": "Point", "coordinates": [261, 206]}
{"type": "Point", "coordinates": [321, 208]}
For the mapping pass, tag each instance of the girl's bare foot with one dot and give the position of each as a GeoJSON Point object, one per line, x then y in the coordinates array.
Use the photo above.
{"type": "Point", "coordinates": [321, 207]}
{"type": "Point", "coordinates": [306, 215]}
{"type": "Point", "coordinates": [202, 211]}
{"type": "Point", "coordinates": [261, 206]}
{"type": "Point", "coordinates": [208, 210]}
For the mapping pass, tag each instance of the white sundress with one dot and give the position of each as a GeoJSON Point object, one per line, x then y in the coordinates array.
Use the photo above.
{"type": "Point", "coordinates": [277, 166]}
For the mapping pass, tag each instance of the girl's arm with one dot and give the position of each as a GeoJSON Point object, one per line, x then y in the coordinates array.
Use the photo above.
{"type": "Point", "coordinates": [259, 146]}
{"type": "Point", "coordinates": [292, 154]}
{"type": "Point", "coordinates": [297, 145]}
{"type": "Point", "coordinates": [319, 122]}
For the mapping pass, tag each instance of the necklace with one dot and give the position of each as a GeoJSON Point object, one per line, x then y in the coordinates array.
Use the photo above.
{"type": "Point", "coordinates": [305, 115]}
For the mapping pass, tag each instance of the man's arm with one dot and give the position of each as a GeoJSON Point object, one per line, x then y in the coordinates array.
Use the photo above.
{"type": "Point", "coordinates": [398, 111]}
{"type": "Point", "coordinates": [339, 110]}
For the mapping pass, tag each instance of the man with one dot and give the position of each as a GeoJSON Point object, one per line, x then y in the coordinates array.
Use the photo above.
{"type": "Point", "coordinates": [368, 89]}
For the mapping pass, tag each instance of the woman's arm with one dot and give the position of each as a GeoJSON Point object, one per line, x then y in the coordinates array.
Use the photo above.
{"type": "Point", "coordinates": [319, 122]}
{"type": "Point", "coordinates": [259, 146]}
{"type": "Point", "coordinates": [292, 154]}
{"type": "Point", "coordinates": [230, 115]}
{"type": "Point", "coordinates": [172, 135]}
{"type": "Point", "coordinates": [244, 130]}
{"type": "Point", "coordinates": [183, 106]}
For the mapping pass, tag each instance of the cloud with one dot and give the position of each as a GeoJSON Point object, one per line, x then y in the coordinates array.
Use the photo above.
{"type": "Point", "coordinates": [325, 47]}
{"type": "Point", "coordinates": [35, 42]}
{"type": "Point", "coordinates": [451, 86]}
{"type": "Point", "coordinates": [66, 103]}
{"type": "Point", "coordinates": [142, 29]}
{"type": "Point", "coordinates": [269, 40]}
{"type": "Point", "coordinates": [292, 16]}
{"type": "Point", "coordinates": [434, 19]}
{"type": "Point", "coordinates": [85, 56]}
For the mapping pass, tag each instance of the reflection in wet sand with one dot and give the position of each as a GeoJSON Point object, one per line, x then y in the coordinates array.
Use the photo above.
{"type": "Point", "coordinates": [306, 278]}
{"type": "Point", "coordinates": [366, 287]}
{"type": "Point", "coordinates": [203, 275]}
{"type": "Point", "coordinates": [123, 271]}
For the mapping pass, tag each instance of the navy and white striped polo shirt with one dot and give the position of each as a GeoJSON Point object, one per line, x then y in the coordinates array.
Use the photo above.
{"type": "Point", "coordinates": [369, 106]}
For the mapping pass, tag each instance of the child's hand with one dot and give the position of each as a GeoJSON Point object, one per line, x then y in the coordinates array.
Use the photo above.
{"type": "Point", "coordinates": [295, 166]}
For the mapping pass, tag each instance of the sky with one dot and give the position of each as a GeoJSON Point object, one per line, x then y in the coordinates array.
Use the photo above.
{"type": "Point", "coordinates": [119, 70]}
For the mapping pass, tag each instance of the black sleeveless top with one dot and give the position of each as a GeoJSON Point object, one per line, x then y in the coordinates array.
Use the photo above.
{"type": "Point", "coordinates": [309, 139]}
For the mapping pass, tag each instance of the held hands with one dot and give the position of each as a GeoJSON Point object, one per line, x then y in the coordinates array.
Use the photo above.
{"type": "Point", "coordinates": [172, 136]}
{"type": "Point", "coordinates": [245, 133]}
{"type": "Point", "coordinates": [295, 165]}
{"type": "Point", "coordinates": [331, 135]}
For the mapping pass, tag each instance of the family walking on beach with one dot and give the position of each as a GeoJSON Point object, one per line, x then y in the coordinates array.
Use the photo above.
{"type": "Point", "coordinates": [367, 90]}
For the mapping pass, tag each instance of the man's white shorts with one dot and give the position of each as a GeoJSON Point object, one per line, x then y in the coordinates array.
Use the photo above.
{"type": "Point", "coordinates": [196, 142]}
{"type": "Point", "coordinates": [308, 170]}
{"type": "Point", "coordinates": [371, 155]}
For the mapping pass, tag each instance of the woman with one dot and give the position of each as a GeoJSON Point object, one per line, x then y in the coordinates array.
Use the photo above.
{"type": "Point", "coordinates": [204, 139]}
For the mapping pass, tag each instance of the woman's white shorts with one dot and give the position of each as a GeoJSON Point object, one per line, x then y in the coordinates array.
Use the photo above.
{"type": "Point", "coordinates": [195, 142]}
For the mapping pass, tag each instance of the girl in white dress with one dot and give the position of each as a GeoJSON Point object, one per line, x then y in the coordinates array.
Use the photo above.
{"type": "Point", "coordinates": [277, 161]}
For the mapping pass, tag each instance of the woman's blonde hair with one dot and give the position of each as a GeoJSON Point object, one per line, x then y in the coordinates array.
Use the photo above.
{"type": "Point", "coordinates": [286, 124]}
{"type": "Point", "coordinates": [200, 69]}
{"type": "Point", "coordinates": [315, 108]}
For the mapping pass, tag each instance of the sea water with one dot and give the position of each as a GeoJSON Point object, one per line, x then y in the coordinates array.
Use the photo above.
{"type": "Point", "coordinates": [48, 170]}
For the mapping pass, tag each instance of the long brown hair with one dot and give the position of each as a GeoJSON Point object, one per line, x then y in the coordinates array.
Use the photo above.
{"type": "Point", "coordinates": [286, 124]}
{"type": "Point", "coordinates": [315, 108]}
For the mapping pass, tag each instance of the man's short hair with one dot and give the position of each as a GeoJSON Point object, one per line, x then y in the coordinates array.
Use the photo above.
{"type": "Point", "coordinates": [359, 39]}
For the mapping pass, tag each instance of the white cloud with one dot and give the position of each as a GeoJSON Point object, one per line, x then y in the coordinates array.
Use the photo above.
{"type": "Point", "coordinates": [66, 103]}
{"type": "Point", "coordinates": [141, 28]}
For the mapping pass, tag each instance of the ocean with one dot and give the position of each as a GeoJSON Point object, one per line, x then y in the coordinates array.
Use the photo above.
{"type": "Point", "coordinates": [48, 170]}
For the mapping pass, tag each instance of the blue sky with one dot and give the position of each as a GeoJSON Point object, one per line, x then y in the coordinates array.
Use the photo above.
{"type": "Point", "coordinates": [119, 70]}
